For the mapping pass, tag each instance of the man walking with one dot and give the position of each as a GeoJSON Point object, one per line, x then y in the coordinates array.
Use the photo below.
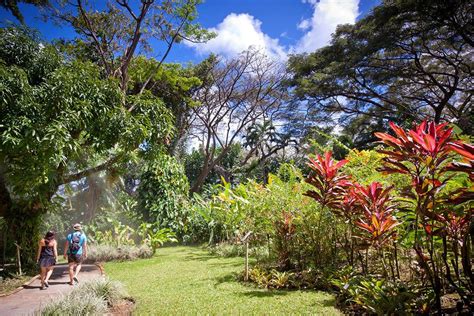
{"type": "Point", "coordinates": [75, 250]}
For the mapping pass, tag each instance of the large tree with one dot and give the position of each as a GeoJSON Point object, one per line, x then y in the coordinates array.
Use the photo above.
{"type": "Point", "coordinates": [237, 93]}
{"type": "Point", "coordinates": [122, 30]}
{"type": "Point", "coordinates": [68, 115]}
{"type": "Point", "coordinates": [404, 61]}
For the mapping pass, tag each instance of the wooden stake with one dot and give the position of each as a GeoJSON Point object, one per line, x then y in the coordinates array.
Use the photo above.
{"type": "Point", "coordinates": [246, 260]}
{"type": "Point", "coordinates": [246, 240]}
{"type": "Point", "coordinates": [4, 248]}
{"type": "Point", "coordinates": [18, 258]}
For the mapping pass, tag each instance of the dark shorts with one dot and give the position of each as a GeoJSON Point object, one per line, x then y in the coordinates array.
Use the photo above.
{"type": "Point", "coordinates": [46, 262]}
{"type": "Point", "coordinates": [74, 258]}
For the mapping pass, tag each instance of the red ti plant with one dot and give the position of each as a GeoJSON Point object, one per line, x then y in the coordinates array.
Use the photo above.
{"type": "Point", "coordinates": [467, 166]}
{"type": "Point", "coordinates": [377, 220]}
{"type": "Point", "coordinates": [327, 179]}
{"type": "Point", "coordinates": [330, 187]}
{"type": "Point", "coordinates": [285, 231]}
{"type": "Point", "coordinates": [423, 153]}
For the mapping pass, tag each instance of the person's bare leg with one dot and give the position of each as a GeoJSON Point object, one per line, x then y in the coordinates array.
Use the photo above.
{"type": "Point", "coordinates": [71, 273]}
{"type": "Point", "coordinates": [42, 275]}
{"type": "Point", "coordinates": [48, 274]}
{"type": "Point", "coordinates": [78, 269]}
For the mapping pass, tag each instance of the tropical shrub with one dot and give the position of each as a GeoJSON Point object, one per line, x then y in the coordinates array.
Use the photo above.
{"type": "Point", "coordinates": [118, 235]}
{"type": "Point", "coordinates": [266, 211]}
{"type": "Point", "coordinates": [435, 212]}
{"type": "Point", "coordinates": [89, 298]}
{"type": "Point", "coordinates": [425, 154]}
{"type": "Point", "coordinates": [398, 217]}
{"type": "Point", "coordinates": [111, 291]}
{"type": "Point", "coordinates": [154, 237]}
{"type": "Point", "coordinates": [88, 304]}
{"type": "Point", "coordinates": [162, 194]}
{"type": "Point", "coordinates": [104, 253]}
{"type": "Point", "coordinates": [125, 243]}
{"type": "Point", "coordinates": [378, 296]}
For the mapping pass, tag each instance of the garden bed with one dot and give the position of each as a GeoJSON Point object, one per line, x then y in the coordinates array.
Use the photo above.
{"type": "Point", "coordinates": [11, 285]}
{"type": "Point", "coordinates": [123, 308]}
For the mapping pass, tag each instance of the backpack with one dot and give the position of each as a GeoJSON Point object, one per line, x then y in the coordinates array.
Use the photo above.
{"type": "Point", "coordinates": [75, 243]}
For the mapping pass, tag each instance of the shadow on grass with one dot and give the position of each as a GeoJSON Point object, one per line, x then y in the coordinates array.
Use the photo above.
{"type": "Point", "coordinates": [227, 264]}
{"type": "Point", "coordinates": [325, 302]}
{"type": "Point", "coordinates": [199, 257]}
{"type": "Point", "coordinates": [228, 278]}
{"type": "Point", "coordinates": [263, 293]}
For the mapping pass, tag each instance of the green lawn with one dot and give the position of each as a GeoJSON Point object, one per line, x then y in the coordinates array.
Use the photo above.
{"type": "Point", "coordinates": [187, 280]}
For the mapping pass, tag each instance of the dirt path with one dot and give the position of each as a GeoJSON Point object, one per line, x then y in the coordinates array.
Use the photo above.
{"type": "Point", "coordinates": [31, 298]}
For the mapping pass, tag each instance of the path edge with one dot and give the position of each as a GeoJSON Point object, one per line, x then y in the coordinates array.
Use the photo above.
{"type": "Point", "coordinates": [22, 287]}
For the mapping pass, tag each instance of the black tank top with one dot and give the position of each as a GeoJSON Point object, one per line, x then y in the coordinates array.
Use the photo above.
{"type": "Point", "coordinates": [47, 251]}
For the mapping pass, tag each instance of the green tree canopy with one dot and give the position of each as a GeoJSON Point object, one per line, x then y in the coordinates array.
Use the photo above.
{"type": "Point", "coordinates": [162, 193]}
{"type": "Point", "coordinates": [404, 61]}
{"type": "Point", "coordinates": [62, 121]}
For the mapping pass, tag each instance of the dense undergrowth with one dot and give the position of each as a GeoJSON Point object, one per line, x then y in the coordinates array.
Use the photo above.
{"type": "Point", "coordinates": [398, 240]}
{"type": "Point", "coordinates": [387, 230]}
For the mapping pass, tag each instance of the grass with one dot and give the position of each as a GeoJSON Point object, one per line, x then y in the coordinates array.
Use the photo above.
{"type": "Point", "coordinates": [187, 280]}
{"type": "Point", "coordinates": [9, 284]}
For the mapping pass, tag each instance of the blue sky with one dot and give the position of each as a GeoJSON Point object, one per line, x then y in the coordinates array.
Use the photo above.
{"type": "Point", "coordinates": [277, 26]}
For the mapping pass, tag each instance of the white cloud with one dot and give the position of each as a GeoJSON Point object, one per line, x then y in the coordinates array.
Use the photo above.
{"type": "Point", "coordinates": [327, 14]}
{"type": "Point", "coordinates": [238, 32]}
{"type": "Point", "coordinates": [304, 24]}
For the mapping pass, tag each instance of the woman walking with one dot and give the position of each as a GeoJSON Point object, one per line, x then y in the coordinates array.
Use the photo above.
{"type": "Point", "coordinates": [46, 257]}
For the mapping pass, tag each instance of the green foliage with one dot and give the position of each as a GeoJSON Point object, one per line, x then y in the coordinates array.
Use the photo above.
{"type": "Point", "coordinates": [260, 277]}
{"type": "Point", "coordinates": [155, 237]}
{"type": "Point", "coordinates": [62, 120]}
{"type": "Point", "coordinates": [88, 304]}
{"type": "Point", "coordinates": [378, 296]}
{"type": "Point", "coordinates": [19, 221]}
{"type": "Point", "coordinates": [230, 249]}
{"type": "Point", "coordinates": [162, 193]}
{"type": "Point", "coordinates": [119, 235]}
{"type": "Point", "coordinates": [322, 140]}
{"type": "Point", "coordinates": [231, 212]}
{"type": "Point", "coordinates": [22, 47]}
{"type": "Point", "coordinates": [362, 165]}
{"type": "Point", "coordinates": [375, 66]}
{"type": "Point", "coordinates": [110, 291]}
{"type": "Point", "coordinates": [47, 124]}
{"type": "Point", "coordinates": [230, 162]}
{"type": "Point", "coordinates": [123, 242]}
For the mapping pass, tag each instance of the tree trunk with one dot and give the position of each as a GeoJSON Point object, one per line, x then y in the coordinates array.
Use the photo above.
{"type": "Point", "coordinates": [23, 225]}
{"type": "Point", "coordinates": [197, 185]}
{"type": "Point", "coordinates": [5, 200]}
